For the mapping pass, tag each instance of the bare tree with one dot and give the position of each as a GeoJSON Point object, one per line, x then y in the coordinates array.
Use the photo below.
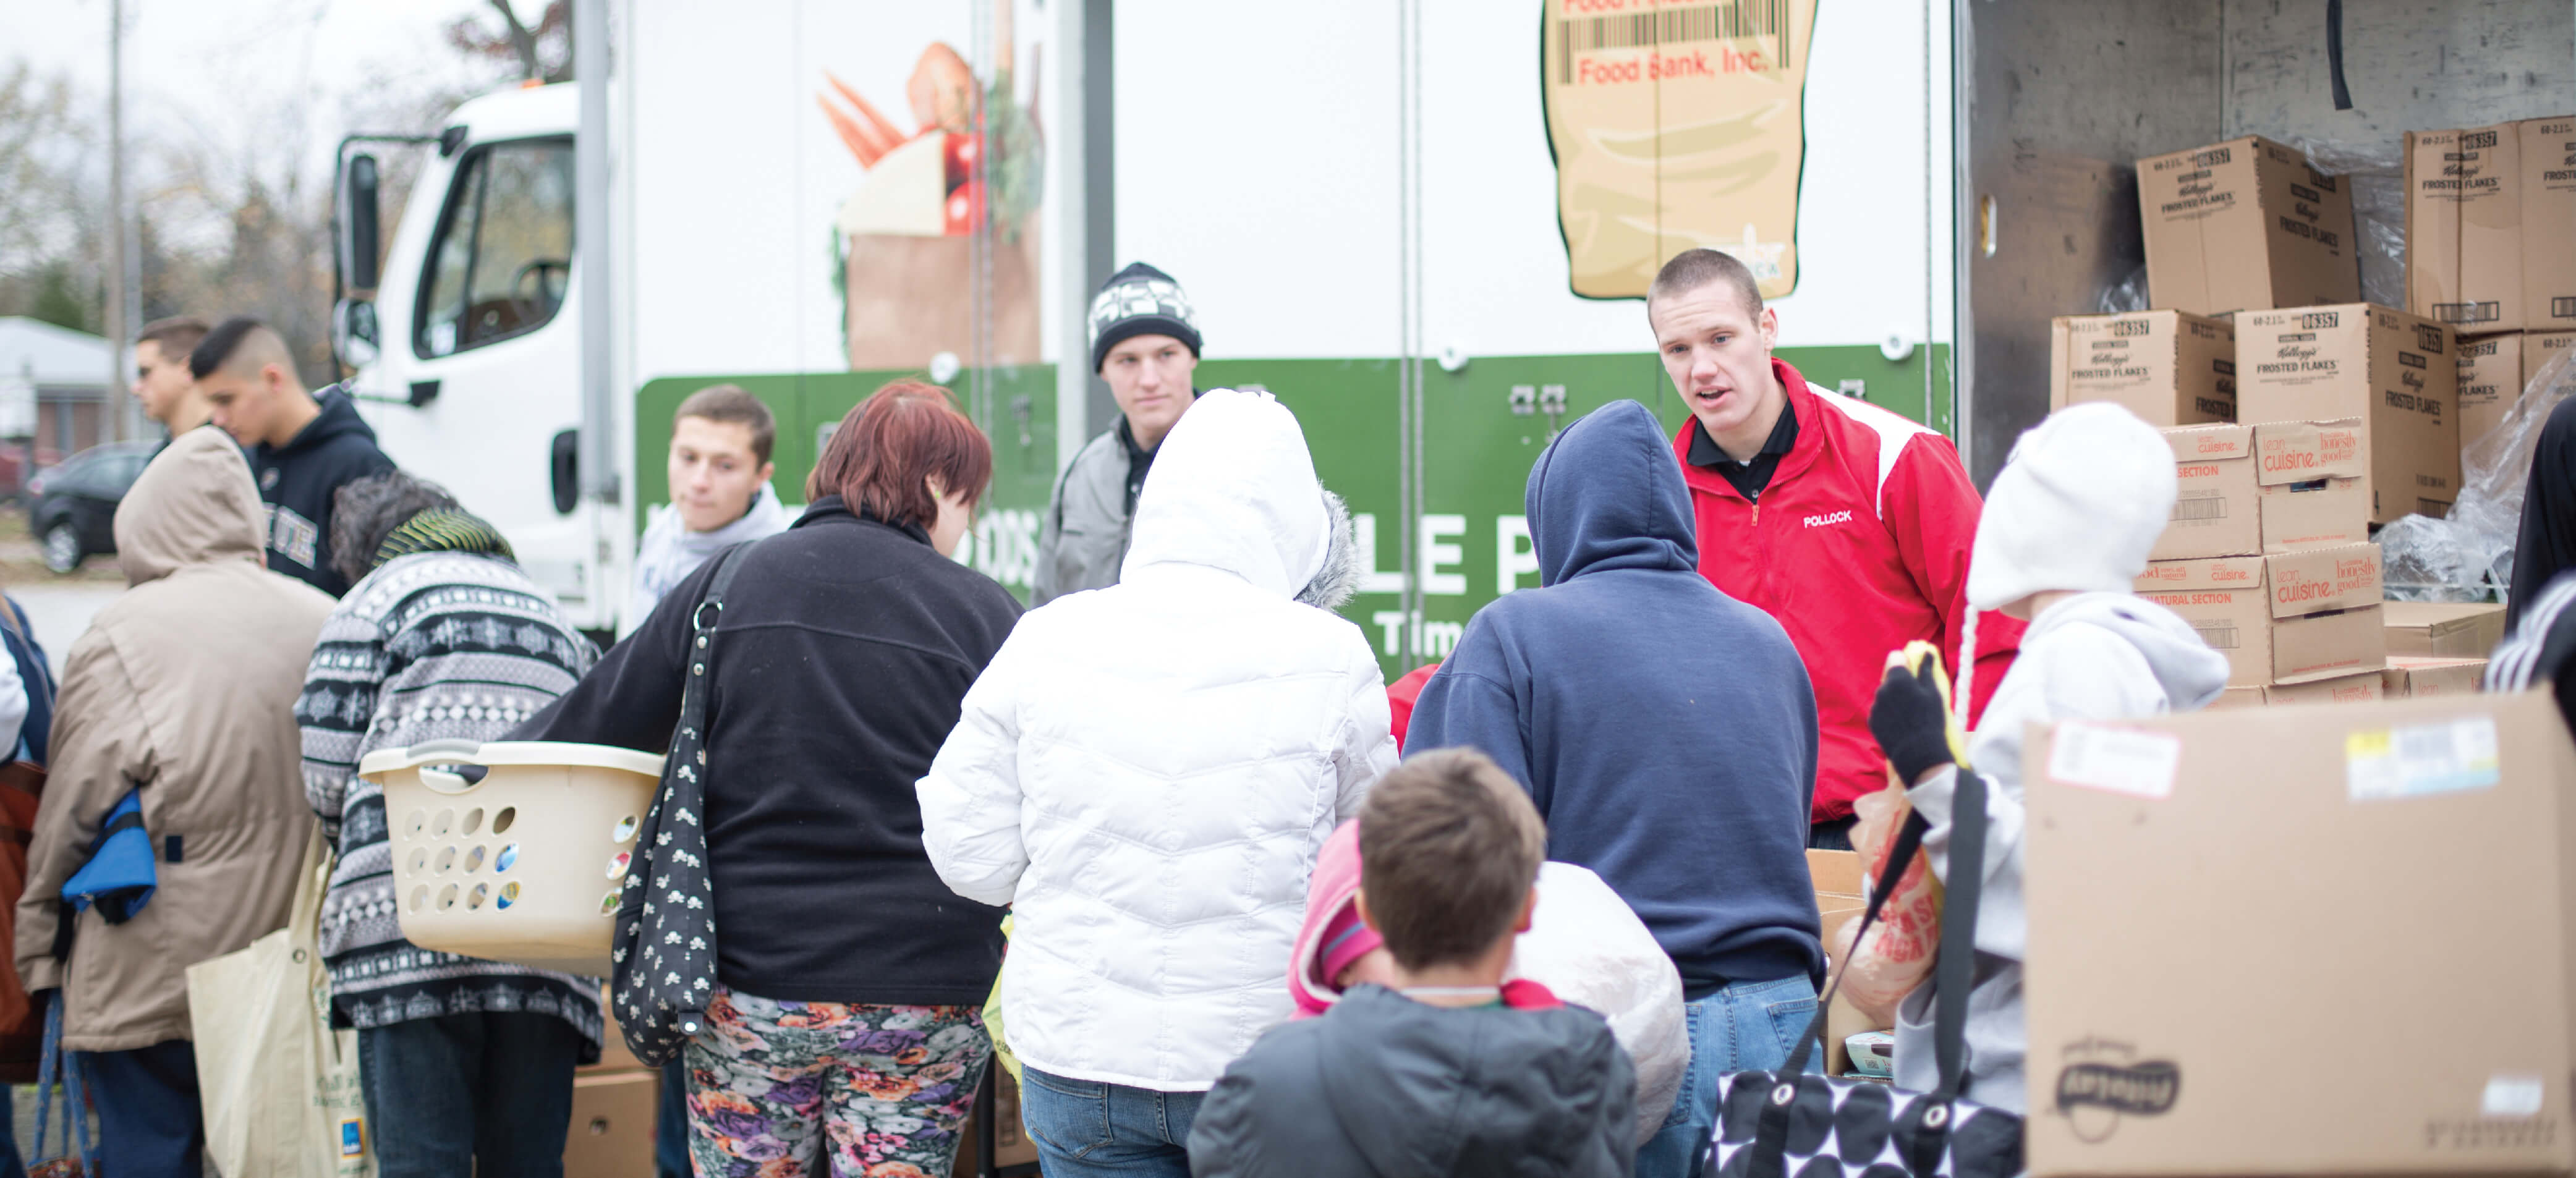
{"type": "Point", "coordinates": [543, 51]}
{"type": "Point", "coordinates": [51, 248]}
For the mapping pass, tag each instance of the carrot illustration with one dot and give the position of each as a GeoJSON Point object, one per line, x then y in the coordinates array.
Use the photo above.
{"type": "Point", "coordinates": [877, 121]}
{"type": "Point", "coordinates": [854, 136]}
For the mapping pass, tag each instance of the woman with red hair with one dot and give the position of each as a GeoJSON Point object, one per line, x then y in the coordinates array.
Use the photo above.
{"type": "Point", "coordinates": [845, 1034]}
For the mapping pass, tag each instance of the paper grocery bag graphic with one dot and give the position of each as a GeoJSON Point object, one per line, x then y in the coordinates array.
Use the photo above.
{"type": "Point", "coordinates": [1676, 125]}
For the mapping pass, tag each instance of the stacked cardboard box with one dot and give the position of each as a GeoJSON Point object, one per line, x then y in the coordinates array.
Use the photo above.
{"type": "Point", "coordinates": [1837, 879]}
{"type": "Point", "coordinates": [613, 1105]}
{"type": "Point", "coordinates": [2441, 629]}
{"type": "Point", "coordinates": [2285, 619]}
{"type": "Point", "coordinates": [2309, 854]}
{"type": "Point", "coordinates": [2397, 373]}
{"type": "Point", "coordinates": [2247, 490]}
{"type": "Point", "coordinates": [2491, 226]}
{"type": "Point", "coordinates": [2409, 677]}
{"type": "Point", "coordinates": [2245, 224]}
{"type": "Point", "coordinates": [2168, 367]}
{"type": "Point", "coordinates": [2494, 370]}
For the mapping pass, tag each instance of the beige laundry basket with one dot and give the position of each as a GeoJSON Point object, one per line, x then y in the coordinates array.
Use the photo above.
{"type": "Point", "coordinates": [523, 866]}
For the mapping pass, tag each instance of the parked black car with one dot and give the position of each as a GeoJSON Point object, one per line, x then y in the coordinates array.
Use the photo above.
{"type": "Point", "coordinates": [71, 507]}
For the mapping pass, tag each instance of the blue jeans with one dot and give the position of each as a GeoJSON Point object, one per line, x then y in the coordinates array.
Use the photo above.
{"type": "Point", "coordinates": [149, 1125]}
{"type": "Point", "coordinates": [671, 1121]}
{"type": "Point", "coordinates": [1086, 1129]}
{"type": "Point", "coordinates": [1746, 1027]}
{"type": "Point", "coordinates": [488, 1094]}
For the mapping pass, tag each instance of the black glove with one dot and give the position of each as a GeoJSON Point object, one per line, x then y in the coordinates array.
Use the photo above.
{"type": "Point", "coordinates": [1911, 723]}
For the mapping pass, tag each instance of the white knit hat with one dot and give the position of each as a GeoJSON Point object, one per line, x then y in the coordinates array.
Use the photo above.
{"type": "Point", "coordinates": [2078, 506]}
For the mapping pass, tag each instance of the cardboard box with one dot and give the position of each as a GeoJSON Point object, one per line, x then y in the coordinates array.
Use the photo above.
{"type": "Point", "coordinates": [2320, 580]}
{"type": "Point", "coordinates": [2215, 508]}
{"type": "Point", "coordinates": [2245, 224]}
{"type": "Point", "coordinates": [2168, 367]}
{"type": "Point", "coordinates": [2361, 688]}
{"type": "Point", "coordinates": [2495, 369]}
{"type": "Point", "coordinates": [2396, 372]}
{"type": "Point", "coordinates": [2238, 697]}
{"type": "Point", "coordinates": [2443, 629]}
{"type": "Point", "coordinates": [1837, 877]}
{"type": "Point", "coordinates": [2327, 646]}
{"type": "Point", "coordinates": [2491, 225]}
{"type": "Point", "coordinates": [2318, 849]}
{"type": "Point", "coordinates": [2312, 494]}
{"type": "Point", "coordinates": [612, 1125]}
{"type": "Point", "coordinates": [1011, 1144]}
{"type": "Point", "coordinates": [2224, 601]}
{"type": "Point", "coordinates": [2423, 678]}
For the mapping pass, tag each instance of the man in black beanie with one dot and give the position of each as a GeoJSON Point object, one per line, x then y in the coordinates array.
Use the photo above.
{"type": "Point", "coordinates": [1145, 343]}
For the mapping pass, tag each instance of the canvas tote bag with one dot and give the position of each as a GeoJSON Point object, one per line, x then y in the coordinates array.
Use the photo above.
{"type": "Point", "coordinates": [280, 1087]}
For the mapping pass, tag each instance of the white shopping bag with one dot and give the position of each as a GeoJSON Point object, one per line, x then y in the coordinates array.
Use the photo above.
{"type": "Point", "coordinates": [280, 1087]}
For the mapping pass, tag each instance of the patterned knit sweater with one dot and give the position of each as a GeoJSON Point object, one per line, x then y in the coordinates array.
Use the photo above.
{"type": "Point", "coordinates": [435, 645]}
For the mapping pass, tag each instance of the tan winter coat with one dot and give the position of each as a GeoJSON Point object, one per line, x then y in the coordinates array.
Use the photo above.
{"type": "Point", "coordinates": [186, 687]}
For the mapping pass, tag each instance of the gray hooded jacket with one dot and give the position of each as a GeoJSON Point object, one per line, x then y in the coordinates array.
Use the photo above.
{"type": "Point", "coordinates": [2098, 656]}
{"type": "Point", "coordinates": [1386, 1087]}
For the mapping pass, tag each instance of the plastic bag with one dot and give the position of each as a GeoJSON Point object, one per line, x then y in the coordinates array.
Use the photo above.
{"type": "Point", "coordinates": [2469, 553]}
{"type": "Point", "coordinates": [1589, 948]}
{"type": "Point", "coordinates": [2126, 295]}
{"type": "Point", "coordinates": [1898, 956]}
{"type": "Point", "coordinates": [2374, 168]}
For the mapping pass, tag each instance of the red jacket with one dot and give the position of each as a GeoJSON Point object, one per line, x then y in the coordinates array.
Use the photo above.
{"type": "Point", "coordinates": [1859, 545]}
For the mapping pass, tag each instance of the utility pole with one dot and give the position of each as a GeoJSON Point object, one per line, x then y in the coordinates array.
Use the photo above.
{"type": "Point", "coordinates": [112, 410]}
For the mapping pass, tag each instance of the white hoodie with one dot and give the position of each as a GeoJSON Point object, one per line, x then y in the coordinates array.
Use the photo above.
{"type": "Point", "coordinates": [669, 551]}
{"type": "Point", "coordinates": [2098, 656]}
{"type": "Point", "coordinates": [1146, 772]}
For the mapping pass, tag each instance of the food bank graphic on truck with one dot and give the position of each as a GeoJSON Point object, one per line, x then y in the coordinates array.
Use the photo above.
{"type": "Point", "coordinates": [1416, 223]}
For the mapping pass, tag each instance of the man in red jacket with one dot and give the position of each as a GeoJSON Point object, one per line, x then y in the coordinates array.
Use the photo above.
{"type": "Point", "coordinates": [1847, 523]}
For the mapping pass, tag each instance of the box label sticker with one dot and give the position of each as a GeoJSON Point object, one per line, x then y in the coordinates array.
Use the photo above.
{"type": "Point", "coordinates": [2120, 760]}
{"type": "Point", "coordinates": [2512, 1096]}
{"type": "Point", "coordinates": [2419, 759]}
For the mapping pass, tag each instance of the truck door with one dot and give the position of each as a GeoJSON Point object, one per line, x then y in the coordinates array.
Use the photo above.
{"type": "Point", "coordinates": [492, 351]}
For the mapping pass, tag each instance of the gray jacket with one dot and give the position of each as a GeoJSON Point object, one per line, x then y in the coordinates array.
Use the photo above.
{"type": "Point", "coordinates": [1385, 1087]}
{"type": "Point", "coordinates": [1084, 538]}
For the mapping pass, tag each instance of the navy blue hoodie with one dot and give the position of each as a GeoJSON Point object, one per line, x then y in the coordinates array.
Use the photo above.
{"type": "Point", "coordinates": [297, 482]}
{"type": "Point", "coordinates": [1666, 731]}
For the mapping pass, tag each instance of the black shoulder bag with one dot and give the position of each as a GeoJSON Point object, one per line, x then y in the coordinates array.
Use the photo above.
{"type": "Point", "coordinates": [665, 959]}
{"type": "Point", "coordinates": [1773, 1124]}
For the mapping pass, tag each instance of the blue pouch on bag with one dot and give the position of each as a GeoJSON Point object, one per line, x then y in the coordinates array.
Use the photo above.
{"type": "Point", "coordinates": [119, 876]}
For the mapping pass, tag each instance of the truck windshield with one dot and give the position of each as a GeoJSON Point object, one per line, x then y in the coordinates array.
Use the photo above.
{"type": "Point", "coordinates": [503, 253]}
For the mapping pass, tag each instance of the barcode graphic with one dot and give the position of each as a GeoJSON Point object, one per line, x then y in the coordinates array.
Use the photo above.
{"type": "Point", "coordinates": [2200, 508]}
{"type": "Point", "coordinates": [2561, 307]}
{"type": "Point", "coordinates": [2468, 312]}
{"type": "Point", "coordinates": [2219, 635]}
{"type": "Point", "coordinates": [1671, 26]}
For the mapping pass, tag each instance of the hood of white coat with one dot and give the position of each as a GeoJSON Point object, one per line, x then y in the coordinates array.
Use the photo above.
{"type": "Point", "coordinates": [1233, 488]}
{"type": "Point", "coordinates": [2189, 671]}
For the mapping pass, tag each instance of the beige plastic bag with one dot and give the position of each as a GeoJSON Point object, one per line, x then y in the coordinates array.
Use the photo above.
{"type": "Point", "coordinates": [280, 1087]}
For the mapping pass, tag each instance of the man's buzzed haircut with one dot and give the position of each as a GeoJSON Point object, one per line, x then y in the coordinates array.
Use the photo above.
{"type": "Point", "coordinates": [1692, 269]}
{"type": "Point", "coordinates": [730, 404]}
{"type": "Point", "coordinates": [241, 336]}
{"type": "Point", "coordinates": [175, 336]}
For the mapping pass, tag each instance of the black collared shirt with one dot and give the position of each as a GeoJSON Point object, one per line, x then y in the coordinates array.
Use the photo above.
{"type": "Point", "coordinates": [1749, 477]}
{"type": "Point", "coordinates": [1139, 461]}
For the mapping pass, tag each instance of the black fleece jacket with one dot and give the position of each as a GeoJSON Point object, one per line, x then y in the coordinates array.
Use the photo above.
{"type": "Point", "coordinates": [298, 479]}
{"type": "Point", "coordinates": [845, 648]}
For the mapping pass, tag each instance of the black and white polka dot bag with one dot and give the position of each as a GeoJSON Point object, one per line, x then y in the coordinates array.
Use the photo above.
{"type": "Point", "coordinates": [665, 956]}
{"type": "Point", "coordinates": [1792, 1122]}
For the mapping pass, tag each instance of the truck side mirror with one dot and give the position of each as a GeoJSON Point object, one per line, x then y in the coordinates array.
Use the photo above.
{"type": "Point", "coordinates": [358, 227]}
{"type": "Point", "coordinates": [353, 332]}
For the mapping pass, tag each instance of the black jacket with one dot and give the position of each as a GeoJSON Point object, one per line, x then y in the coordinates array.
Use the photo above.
{"type": "Point", "coordinates": [844, 650]}
{"type": "Point", "coordinates": [1386, 1087]}
{"type": "Point", "coordinates": [298, 479]}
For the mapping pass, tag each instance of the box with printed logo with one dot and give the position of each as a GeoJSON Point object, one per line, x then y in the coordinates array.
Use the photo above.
{"type": "Point", "coordinates": [2360, 687]}
{"type": "Point", "coordinates": [2491, 225]}
{"type": "Point", "coordinates": [2286, 618]}
{"type": "Point", "coordinates": [2215, 501]}
{"type": "Point", "coordinates": [2395, 372]}
{"type": "Point", "coordinates": [2312, 494]}
{"type": "Point", "coordinates": [2168, 367]}
{"type": "Point", "coordinates": [2316, 851]}
{"type": "Point", "coordinates": [2322, 580]}
{"type": "Point", "coordinates": [2495, 369]}
{"type": "Point", "coordinates": [2223, 600]}
{"type": "Point", "coordinates": [2409, 677]}
{"type": "Point", "coordinates": [2245, 224]}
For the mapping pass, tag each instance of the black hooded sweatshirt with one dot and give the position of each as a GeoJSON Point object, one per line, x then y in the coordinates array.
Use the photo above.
{"type": "Point", "coordinates": [298, 479]}
{"type": "Point", "coordinates": [1386, 1087]}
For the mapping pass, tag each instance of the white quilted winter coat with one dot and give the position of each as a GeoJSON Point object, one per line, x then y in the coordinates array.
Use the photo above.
{"type": "Point", "coordinates": [1146, 772]}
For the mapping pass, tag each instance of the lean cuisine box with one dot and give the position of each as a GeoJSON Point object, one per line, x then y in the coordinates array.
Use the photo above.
{"type": "Point", "coordinates": [2168, 367]}
{"type": "Point", "coordinates": [2328, 939]}
{"type": "Point", "coordinates": [2244, 490]}
{"type": "Point", "coordinates": [2395, 371]}
{"type": "Point", "coordinates": [2245, 224]}
{"type": "Point", "coordinates": [2287, 618]}
{"type": "Point", "coordinates": [2491, 226]}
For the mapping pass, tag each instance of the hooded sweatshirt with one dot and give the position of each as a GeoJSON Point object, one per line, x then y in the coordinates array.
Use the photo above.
{"type": "Point", "coordinates": [670, 551]}
{"type": "Point", "coordinates": [1665, 731]}
{"type": "Point", "coordinates": [1386, 1087]}
{"type": "Point", "coordinates": [298, 479]}
{"type": "Point", "coordinates": [2077, 507]}
{"type": "Point", "coordinates": [1146, 772]}
{"type": "Point", "coordinates": [183, 688]}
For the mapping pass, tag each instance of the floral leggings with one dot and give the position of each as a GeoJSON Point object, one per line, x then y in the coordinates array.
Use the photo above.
{"type": "Point", "coordinates": [775, 1087]}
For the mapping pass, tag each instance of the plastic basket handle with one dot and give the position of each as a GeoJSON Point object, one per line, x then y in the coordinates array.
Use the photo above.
{"type": "Point", "coordinates": [445, 752]}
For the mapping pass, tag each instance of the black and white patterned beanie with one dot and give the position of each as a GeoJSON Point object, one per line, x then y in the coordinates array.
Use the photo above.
{"type": "Point", "coordinates": [1140, 300]}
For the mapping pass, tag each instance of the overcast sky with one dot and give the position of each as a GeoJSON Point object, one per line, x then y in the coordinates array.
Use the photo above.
{"type": "Point", "coordinates": [219, 67]}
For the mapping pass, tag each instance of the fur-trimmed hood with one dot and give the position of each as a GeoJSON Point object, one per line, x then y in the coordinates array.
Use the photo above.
{"type": "Point", "coordinates": [1339, 580]}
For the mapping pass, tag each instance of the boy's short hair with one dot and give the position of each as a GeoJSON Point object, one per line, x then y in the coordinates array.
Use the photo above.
{"type": "Point", "coordinates": [1449, 849]}
{"type": "Point", "coordinates": [1692, 269]}
{"type": "Point", "coordinates": [730, 404]}
{"type": "Point", "coordinates": [175, 336]}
